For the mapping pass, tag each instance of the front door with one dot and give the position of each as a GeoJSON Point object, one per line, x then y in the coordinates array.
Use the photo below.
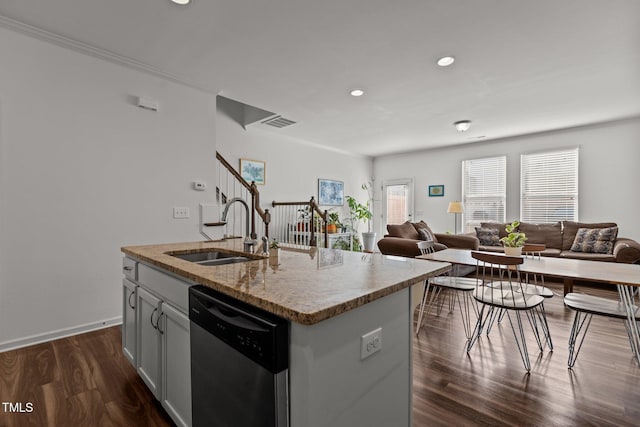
{"type": "Point", "coordinates": [397, 201]}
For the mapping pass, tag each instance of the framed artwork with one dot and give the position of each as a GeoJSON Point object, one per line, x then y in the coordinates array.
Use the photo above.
{"type": "Point", "coordinates": [330, 192]}
{"type": "Point", "coordinates": [436, 191]}
{"type": "Point", "coordinates": [253, 170]}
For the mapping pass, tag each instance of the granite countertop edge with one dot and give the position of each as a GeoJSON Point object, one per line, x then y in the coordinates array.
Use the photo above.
{"type": "Point", "coordinates": [302, 312]}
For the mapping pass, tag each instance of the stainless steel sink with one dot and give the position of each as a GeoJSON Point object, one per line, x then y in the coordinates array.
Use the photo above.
{"type": "Point", "coordinates": [223, 261]}
{"type": "Point", "coordinates": [212, 258]}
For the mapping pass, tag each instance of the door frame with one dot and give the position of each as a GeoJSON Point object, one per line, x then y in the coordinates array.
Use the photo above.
{"type": "Point", "coordinates": [409, 182]}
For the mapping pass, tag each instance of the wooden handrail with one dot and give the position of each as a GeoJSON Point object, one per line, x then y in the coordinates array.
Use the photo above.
{"type": "Point", "coordinates": [232, 171]}
{"type": "Point", "coordinates": [314, 208]}
{"type": "Point", "coordinates": [255, 197]}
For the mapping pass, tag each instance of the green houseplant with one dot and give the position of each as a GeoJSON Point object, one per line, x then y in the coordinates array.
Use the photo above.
{"type": "Point", "coordinates": [514, 240]}
{"type": "Point", "coordinates": [362, 212]}
{"type": "Point", "coordinates": [334, 222]}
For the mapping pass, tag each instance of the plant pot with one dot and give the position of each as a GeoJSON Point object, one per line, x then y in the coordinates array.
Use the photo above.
{"type": "Point", "coordinates": [509, 251]}
{"type": "Point", "coordinates": [274, 253]}
{"type": "Point", "coordinates": [332, 228]}
{"type": "Point", "coordinates": [368, 241]}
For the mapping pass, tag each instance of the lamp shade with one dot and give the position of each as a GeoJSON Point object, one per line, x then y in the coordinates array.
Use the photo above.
{"type": "Point", "coordinates": [455, 207]}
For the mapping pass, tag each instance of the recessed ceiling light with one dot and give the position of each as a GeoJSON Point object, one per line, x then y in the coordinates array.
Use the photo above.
{"type": "Point", "coordinates": [462, 125]}
{"type": "Point", "coordinates": [181, 2]}
{"type": "Point", "coordinates": [357, 92]}
{"type": "Point", "coordinates": [445, 61]}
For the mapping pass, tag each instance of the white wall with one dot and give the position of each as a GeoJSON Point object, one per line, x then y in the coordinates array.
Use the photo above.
{"type": "Point", "coordinates": [292, 166]}
{"type": "Point", "coordinates": [609, 174]}
{"type": "Point", "coordinates": [83, 171]}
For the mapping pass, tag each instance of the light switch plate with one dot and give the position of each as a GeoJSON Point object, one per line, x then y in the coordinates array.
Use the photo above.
{"type": "Point", "coordinates": [180, 212]}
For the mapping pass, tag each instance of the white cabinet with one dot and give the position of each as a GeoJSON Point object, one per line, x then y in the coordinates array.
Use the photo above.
{"type": "Point", "coordinates": [148, 340]}
{"type": "Point", "coordinates": [129, 292]}
{"type": "Point", "coordinates": [156, 335]}
{"type": "Point", "coordinates": [176, 365]}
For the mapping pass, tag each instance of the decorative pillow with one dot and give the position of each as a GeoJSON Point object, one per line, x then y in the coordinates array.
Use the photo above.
{"type": "Point", "coordinates": [406, 231]}
{"type": "Point", "coordinates": [422, 224]}
{"type": "Point", "coordinates": [425, 234]}
{"type": "Point", "coordinates": [488, 236]}
{"type": "Point", "coordinates": [595, 240]}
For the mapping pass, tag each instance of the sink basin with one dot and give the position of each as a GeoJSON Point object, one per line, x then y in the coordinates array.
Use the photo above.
{"type": "Point", "coordinates": [223, 261]}
{"type": "Point", "coordinates": [212, 258]}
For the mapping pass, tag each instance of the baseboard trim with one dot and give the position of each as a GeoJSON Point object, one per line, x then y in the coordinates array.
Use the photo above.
{"type": "Point", "coordinates": [60, 333]}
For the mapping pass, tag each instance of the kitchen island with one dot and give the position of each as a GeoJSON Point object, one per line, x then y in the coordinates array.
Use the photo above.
{"type": "Point", "coordinates": [331, 298]}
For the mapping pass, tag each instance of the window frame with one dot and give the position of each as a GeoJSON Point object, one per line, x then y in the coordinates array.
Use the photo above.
{"type": "Point", "coordinates": [480, 199]}
{"type": "Point", "coordinates": [562, 191]}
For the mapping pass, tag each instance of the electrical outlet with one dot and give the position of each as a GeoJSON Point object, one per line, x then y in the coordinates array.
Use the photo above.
{"type": "Point", "coordinates": [370, 343]}
{"type": "Point", "coordinates": [180, 212]}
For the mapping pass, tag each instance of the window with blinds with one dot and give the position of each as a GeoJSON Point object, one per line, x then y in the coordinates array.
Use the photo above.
{"type": "Point", "coordinates": [549, 186]}
{"type": "Point", "coordinates": [484, 192]}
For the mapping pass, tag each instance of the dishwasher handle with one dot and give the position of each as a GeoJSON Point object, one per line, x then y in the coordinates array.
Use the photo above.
{"type": "Point", "coordinates": [235, 318]}
{"type": "Point", "coordinates": [211, 310]}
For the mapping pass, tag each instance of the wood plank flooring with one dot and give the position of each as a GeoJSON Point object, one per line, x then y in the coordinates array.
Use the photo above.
{"type": "Point", "coordinates": [489, 386]}
{"type": "Point", "coordinates": [86, 381]}
{"type": "Point", "coordinates": [82, 380]}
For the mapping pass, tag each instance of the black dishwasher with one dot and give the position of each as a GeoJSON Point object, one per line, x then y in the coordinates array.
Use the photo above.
{"type": "Point", "coordinates": [239, 362]}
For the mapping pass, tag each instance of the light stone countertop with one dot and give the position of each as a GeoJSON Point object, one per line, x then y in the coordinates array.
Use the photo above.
{"type": "Point", "coordinates": [303, 285]}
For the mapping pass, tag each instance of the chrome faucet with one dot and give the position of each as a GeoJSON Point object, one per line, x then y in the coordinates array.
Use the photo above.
{"type": "Point", "coordinates": [265, 245]}
{"type": "Point", "coordinates": [248, 243]}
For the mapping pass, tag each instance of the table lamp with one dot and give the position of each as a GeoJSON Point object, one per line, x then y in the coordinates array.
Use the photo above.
{"type": "Point", "coordinates": [455, 208]}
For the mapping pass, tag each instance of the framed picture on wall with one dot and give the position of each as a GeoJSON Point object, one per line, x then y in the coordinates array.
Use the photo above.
{"type": "Point", "coordinates": [253, 170]}
{"type": "Point", "coordinates": [330, 192]}
{"type": "Point", "coordinates": [436, 191]}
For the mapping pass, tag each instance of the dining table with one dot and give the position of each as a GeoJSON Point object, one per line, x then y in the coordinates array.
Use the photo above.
{"type": "Point", "coordinates": [626, 278]}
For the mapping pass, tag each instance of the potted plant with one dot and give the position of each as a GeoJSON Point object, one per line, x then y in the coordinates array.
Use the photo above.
{"type": "Point", "coordinates": [362, 212]}
{"type": "Point", "coordinates": [274, 249]}
{"type": "Point", "coordinates": [514, 240]}
{"type": "Point", "coordinates": [334, 222]}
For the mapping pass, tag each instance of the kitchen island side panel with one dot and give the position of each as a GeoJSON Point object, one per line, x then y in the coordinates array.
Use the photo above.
{"type": "Point", "coordinates": [331, 385]}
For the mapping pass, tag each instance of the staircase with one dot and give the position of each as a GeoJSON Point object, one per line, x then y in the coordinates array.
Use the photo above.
{"type": "Point", "coordinates": [295, 224]}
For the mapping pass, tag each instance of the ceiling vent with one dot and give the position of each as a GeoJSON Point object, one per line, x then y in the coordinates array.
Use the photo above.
{"type": "Point", "coordinates": [278, 122]}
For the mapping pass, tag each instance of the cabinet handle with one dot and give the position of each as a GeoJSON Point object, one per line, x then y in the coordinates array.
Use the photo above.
{"type": "Point", "coordinates": [130, 304]}
{"type": "Point", "coordinates": [127, 268]}
{"type": "Point", "coordinates": [158, 323]}
{"type": "Point", "coordinates": [151, 319]}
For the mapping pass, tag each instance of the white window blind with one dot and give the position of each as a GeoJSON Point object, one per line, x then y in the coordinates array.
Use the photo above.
{"type": "Point", "coordinates": [549, 186]}
{"type": "Point", "coordinates": [484, 191]}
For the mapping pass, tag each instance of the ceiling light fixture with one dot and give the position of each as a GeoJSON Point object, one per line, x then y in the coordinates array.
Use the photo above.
{"type": "Point", "coordinates": [462, 125]}
{"type": "Point", "coordinates": [181, 2]}
{"type": "Point", "coordinates": [445, 61]}
{"type": "Point", "coordinates": [357, 92]}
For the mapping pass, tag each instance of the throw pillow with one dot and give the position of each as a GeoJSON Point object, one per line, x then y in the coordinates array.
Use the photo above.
{"type": "Point", "coordinates": [595, 240]}
{"type": "Point", "coordinates": [406, 231]}
{"type": "Point", "coordinates": [488, 236]}
{"type": "Point", "coordinates": [422, 224]}
{"type": "Point", "coordinates": [425, 234]}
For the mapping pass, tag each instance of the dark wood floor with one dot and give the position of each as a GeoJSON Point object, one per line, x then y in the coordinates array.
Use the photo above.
{"type": "Point", "coordinates": [85, 381]}
{"type": "Point", "coordinates": [82, 380]}
{"type": "Point", "coordinates": [490, 386]}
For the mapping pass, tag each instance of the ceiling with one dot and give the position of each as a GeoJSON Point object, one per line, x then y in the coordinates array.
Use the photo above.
{"type": "Point", "coordinates": [521, 66]}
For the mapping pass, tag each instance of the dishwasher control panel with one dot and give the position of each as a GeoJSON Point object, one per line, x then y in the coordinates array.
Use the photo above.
{"type": "Point", "coordinates": [257, 334]}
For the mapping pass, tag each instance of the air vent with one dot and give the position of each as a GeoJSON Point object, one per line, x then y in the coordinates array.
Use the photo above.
{"type": "Point", "coordinates": [278, 122]}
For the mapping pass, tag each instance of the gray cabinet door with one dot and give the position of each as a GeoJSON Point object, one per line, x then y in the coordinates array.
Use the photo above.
{"type": "Point", "coordinates": [129, 296]}
{"type": "Point", "coordinates": [176, 365]}
{"type": "Point", "coordinates": [148, 338]}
